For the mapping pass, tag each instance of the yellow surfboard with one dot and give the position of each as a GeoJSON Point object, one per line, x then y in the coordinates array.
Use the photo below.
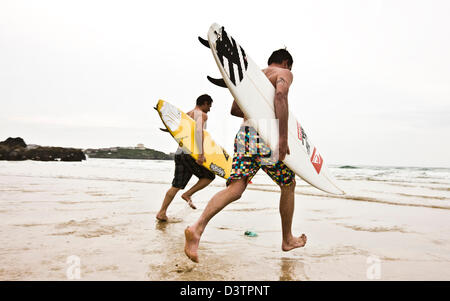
{"type": "Point", "coordinates": [182, 129]}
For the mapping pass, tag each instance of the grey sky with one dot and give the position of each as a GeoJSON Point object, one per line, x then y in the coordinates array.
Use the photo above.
{"type": "Point", "coordinates": [371, 78]}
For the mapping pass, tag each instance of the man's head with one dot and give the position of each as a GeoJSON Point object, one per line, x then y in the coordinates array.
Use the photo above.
{"type": "Point", "coordinates": [281, 57]}
{"type": "Point", "coordinates": [204, 102]}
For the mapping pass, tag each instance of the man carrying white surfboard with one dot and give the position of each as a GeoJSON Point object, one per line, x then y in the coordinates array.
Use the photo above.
{"type": "Point", "coordinates": [186, 166]}
{"type": "Point", "coordinates": [251, 154]}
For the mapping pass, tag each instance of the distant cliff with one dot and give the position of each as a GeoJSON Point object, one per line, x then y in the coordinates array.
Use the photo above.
{"type": "Point", "coordinates": [15, 149]}
{"type": "Point", "coordinates": [127, 153]}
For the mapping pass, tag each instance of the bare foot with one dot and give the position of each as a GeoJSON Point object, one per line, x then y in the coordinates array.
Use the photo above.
{"type": "Point", "coordinates": [162, 217]}
{"type": "Point", "coordinates": [191, 245]}
{"type": "Point", "coordinates": [295, 242]}
{"type": "Point", "coordinates": [189, 201]}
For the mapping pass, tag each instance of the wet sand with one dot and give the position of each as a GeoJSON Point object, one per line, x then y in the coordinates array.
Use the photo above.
{"type": "Point", "coordinates": [111, 227]}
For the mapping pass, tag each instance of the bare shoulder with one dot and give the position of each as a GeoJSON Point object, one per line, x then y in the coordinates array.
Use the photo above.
{"type": "Point", "coordinates": [286, 75]}
{"type": "Point", "coordinates": [278, 75]}
{"type": "Point", "coordinates": [283, 80]}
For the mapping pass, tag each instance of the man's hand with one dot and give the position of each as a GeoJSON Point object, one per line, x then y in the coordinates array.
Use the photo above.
{"type": "Point", "coordinates": [283, 149]}
{"type": "Point", "coordinates": [201, 159]}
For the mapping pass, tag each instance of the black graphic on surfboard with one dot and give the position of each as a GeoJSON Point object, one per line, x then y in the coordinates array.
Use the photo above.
{"type": "Point", "coordinates": [226, 154]}
{"type": "Point", "coordinates": [227, 48]}
{"type": "Point", "coordinates": [217, 169]}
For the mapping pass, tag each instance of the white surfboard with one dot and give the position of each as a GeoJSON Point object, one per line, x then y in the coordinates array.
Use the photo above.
{"type": "Point", "coordinates": [255, 94]}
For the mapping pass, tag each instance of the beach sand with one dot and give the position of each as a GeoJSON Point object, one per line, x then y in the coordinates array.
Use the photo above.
{"type": "Point", "coordinates": [110, 227]}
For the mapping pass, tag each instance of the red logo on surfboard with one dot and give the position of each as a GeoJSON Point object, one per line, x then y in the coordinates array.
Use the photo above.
{"type": "Point", "coordinates": [316, 160]}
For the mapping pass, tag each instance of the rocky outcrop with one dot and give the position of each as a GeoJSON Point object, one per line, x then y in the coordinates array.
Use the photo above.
{"type": "Point", "coordinates": [16, 149]}
{"type": "Point", "coordinates": [14, 142]}
{"type": "Point", "coordinates": [13, 149]}
{"type": "Point", "coordinates": [127, 153]}
{"type": "Point", "coordinates": [55, 154]}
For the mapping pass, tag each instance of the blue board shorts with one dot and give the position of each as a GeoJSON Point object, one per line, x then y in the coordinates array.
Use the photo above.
{"type": "Point", "coordinates": [251, 154]}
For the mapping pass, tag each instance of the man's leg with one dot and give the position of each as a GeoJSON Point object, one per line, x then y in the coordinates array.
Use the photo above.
{"type": "Point", "coordinates": [221, 199]}
{"type": "Point", "coordinates": [285, 179]}
{"type": "Point", "coordinates": [287, 200]}
{"type": "Point", "coordinates": [202, 183]}
{"type": "Point", "coordinates": [170, 194]}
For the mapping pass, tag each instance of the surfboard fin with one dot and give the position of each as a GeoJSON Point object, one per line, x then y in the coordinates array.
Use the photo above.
{"type": "Point", "coordinates": [164, 130]}
{"type": "Point", "coordinates": [203, 42]}
{"type": "Point", "coordinates": [217, 81]}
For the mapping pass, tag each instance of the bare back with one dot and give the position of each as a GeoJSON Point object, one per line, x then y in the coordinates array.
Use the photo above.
{"type": "Point", "coordinates": [196, 113]}
{"type": "Point", "coordinates": [274, 74]}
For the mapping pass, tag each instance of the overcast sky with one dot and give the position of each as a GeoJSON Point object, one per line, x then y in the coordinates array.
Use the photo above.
{"type": "Point", "coordinates": [371, 78]}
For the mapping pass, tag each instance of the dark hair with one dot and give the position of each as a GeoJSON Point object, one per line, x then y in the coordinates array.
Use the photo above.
{"type": "Point", "coordinates": [204, 98]}
{"type": "Point", "coordinates": [280, 55]}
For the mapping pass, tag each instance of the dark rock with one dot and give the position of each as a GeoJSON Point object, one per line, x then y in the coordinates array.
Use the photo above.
{"type": "Point", "coordinates": [55, 154]}
{"type": "Point", "coordinates": [13, 142]}
{"type": "Point", "coordinates": [13, 149]}
{"type": "Point", "coordinates": [16, 149]}
{"type": "Point", "coordinates": [17, 154]}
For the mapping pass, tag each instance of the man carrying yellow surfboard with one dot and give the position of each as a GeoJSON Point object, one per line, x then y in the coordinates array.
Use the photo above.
{"type": "Point", "coordinates": [186, 166]}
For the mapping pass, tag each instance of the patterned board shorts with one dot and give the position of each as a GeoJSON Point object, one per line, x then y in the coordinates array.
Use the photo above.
{"type": "Point", "coordinates": [251, 154]}
{"type": "Point", "coordinates": [185, 167]}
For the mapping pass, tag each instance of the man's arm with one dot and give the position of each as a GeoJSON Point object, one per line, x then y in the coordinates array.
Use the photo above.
{"type": "Point", "coordinates": [236, 111]}
{"type": "Point", "coordinates": [200, 120]}
{"type": "Point", "coordinates": [282, 84]}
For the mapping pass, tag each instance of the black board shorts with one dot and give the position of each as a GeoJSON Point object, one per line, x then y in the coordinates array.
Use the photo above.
{"type": "Point", "coordinates": [185, 167]}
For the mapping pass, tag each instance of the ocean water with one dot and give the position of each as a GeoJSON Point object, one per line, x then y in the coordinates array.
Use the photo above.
{"type": "Point", "coordinates": [412, 186]}
{"type": "Point", "coordinates": [403, 186]}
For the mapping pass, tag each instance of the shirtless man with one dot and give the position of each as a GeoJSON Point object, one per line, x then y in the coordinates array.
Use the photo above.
{"type": "Point", "coordinates": [249, 157]}
{"type": "Point", "coordinates": [186, 166]}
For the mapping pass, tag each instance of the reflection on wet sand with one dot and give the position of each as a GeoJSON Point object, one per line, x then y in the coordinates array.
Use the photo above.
{"type": "Point", "coordinates": [161, 226]}
{"type": "Point", "coordinates": [292, 270]}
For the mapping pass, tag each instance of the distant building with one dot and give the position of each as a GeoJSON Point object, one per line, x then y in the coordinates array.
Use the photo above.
{"type": "Point", "coordinates": [32, 146]}
{"type": "Point", "coordinates": [140, 146]}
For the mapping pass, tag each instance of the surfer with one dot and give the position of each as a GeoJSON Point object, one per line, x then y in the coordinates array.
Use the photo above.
{"type": "Point", "coordinates": [251, 154]}
{"type": "Point", "coordinates": [186, 166]}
